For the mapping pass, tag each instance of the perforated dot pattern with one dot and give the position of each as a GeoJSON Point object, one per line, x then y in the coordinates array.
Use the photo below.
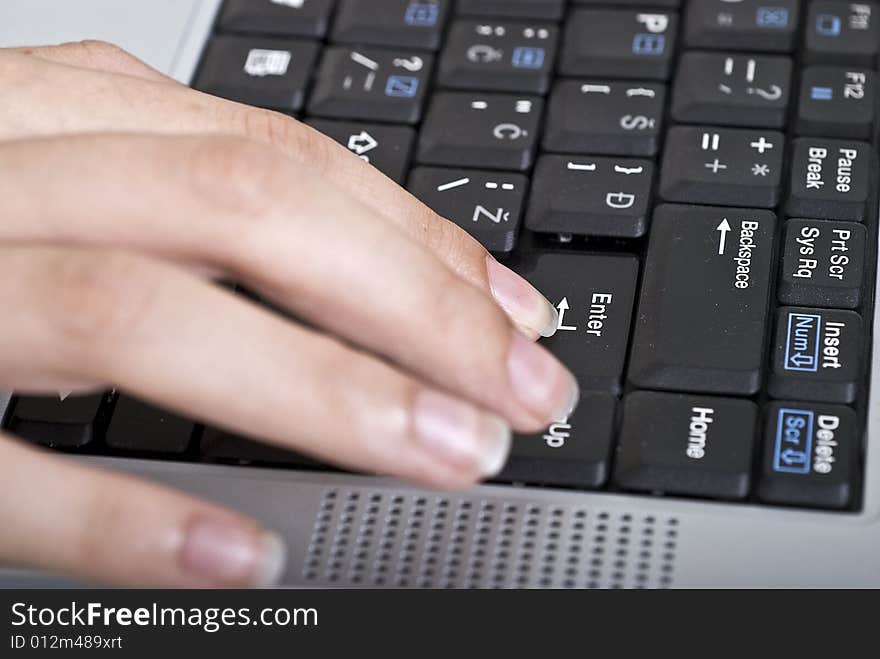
{"type": "Point", "coordinates": [362, 538]}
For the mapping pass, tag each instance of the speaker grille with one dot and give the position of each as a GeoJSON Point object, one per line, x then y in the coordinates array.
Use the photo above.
{"type": "Point", "coordinates": [365, 538]}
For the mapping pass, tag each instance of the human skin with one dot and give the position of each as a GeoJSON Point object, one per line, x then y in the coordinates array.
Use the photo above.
{"type": "Point", "coordinates": [124, 195]}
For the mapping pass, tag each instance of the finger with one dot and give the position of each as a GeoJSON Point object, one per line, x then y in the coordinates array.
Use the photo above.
{"type": "Point", "coordinates": [101, 526]}
{"type": "Point", "coordinates": [95, 55]}
{"type": "Point", "coordinates": [96, 101]}
{"type": "Point", "coordinates": [228, 204]}
{"type": "Point", "coordinates": [168, 337]}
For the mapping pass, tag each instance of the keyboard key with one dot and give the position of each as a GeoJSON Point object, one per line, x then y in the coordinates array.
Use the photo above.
{"type": "Point", "coordinates": [692, 445]}
{"type": "Point", "coordinates": [400, 23]}
{"type": "Point", "coordinates": [823, 264]}
{"type": "Point", "coordinates": [574, 452]}
{"type": "Point", "coordinates": [846, 33]}
{"type": "Point", "coordinates": [830, 179]}
{"type": "Point", "coordinates": [818, 355]}
{"type": "Point", "coordinates": [222, 446]}
{"type": "Point", "coordinates": [619, 44]}
{"type": "Point", "coordinates": [488, 205]}
{"type": "Point", "coordinates": [586, 196]}
{"type": "Point", "coordinates": [388, 148]}
{"type": "Point", "coordinates": [810, 455]}
{"type": "Point", "coordinates": [266, 72]}
{"type": "Point", "coordinates": [297, 19]}
{"type": "Point", "coordinates": [137, 426]}
{"type": "Point", "coordinates": [485, 131]}
{"type": "Point", "coordinates": [670, 4]}
{"type": "Point", "coordinates": [602, 118]}
{"type": "Point", "coordinates": [746, 25]}
{"type": "Point", "coordinates": [703, 314]}
{"type": "Point", "coordinates": [594, 295]}
{"type": "Point", "coordinates": [57, 421]}
{"type": "Point", "coordinates": [541, 9]}
{"type": "Point", "coordinates": [733, 90]}
{"type": "Point", "coordinates": [722, 166]}
{"type": "Point", "coordinates": [371, 85]}
{"type": "Point", "coordinates": [506, 57]}
{"type": "Point", "coordinates": [837, 103]}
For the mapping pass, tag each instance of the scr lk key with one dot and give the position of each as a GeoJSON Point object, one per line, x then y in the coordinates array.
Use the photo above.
{"type": "Point", "coordinates": [810, 454]}
{"type": "Point", "coordinates": [703, 313]}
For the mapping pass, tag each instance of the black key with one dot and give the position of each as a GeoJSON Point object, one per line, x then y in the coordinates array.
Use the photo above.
{"type": "Point", "coordinates": [671, 4]}
{"type": "Point", "coordinates": [486, 131]}
{"type": "Point", "coordinates": [818, 356]}
{"type": "Point", "coordinates": [703, 315]}
{"type": "Point", "coordinates": [823, 264]}
{"type": "Point", "coordinates": [223, 446]}
{"type": "Point", "coordinates": [488, 205]}
{"type": "Point", "coordinates": [505, 57]}
{"type": "Point", "coordinates": [136, 426]}
{"type": "Point", "coordinates": [830, 179]}
{"type": "Point", "coordinates": [266, 72]}
{"type": "Point", "coordinates": [594, 295]}
{"type": "Point", "coordinates": [722, 166]}
{"type": "Point", "coordinates": [574, 452]}
{"type": "Point", "coordinates": [619, 44]}
{"type": "Point", "coordinates": [748, 25]}
{"type": "Point", "coordinates": [603, 118]}
{"type": "Point", "coordinates": [388, 148]}
{"type": "Point", "coordinates": [733, 90]}
{"type": "Point", "coordinates": [401, 23]}
{"type": "Point", "coordinates": [837, 102]}
{"type": "Point", "coordinates": [309, 18]}
{"type": "Point", "coordinates": [371, 85]}
{"type": "Point", "coordinates": [542, 9]}
{"type": "Point", "coordinates": [846, 33]}
{"type": "Point", "coordinates": [62, 421]}
{"type": "Point", "coordinates": [692, 445]}
{"type": "Point", "coordinates": [810, 454]}
{"type": "Point", "coordinates": [586, 196]}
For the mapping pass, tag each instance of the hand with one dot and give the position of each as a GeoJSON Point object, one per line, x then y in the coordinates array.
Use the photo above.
{"type": "Point", "coordinates": [123, 195]}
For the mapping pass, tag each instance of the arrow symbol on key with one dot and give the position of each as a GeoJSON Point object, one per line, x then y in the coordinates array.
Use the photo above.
{"type": "Point", "coordinates": [724, 229]}
{"type": "Point", "coordinates": [561, 326]}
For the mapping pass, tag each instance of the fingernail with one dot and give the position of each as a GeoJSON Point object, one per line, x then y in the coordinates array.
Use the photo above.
{"type": "Point", "coordinates": [529, 310]}
{"type": "Point", "coordinates": [228, 554]}
{"type": "Point", "coordinates": [456, 432]}
{"type": "Point", "coordinates": [542, 384]}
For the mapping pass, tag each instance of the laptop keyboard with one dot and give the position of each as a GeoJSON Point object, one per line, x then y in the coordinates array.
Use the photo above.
{"type": "Point", "coordinates": [693, 183]}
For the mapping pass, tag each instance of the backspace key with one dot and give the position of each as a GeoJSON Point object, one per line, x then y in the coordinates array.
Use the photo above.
{"type": "Point", "coordinates": [703, 314]}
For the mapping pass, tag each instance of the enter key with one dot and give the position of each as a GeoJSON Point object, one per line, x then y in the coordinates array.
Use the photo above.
{"type": "Point", "coordinates": [594, 295]}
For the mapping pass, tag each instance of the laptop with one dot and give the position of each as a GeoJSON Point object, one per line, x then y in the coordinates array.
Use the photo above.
{"type": "Point", "coordinates": [692, 182]}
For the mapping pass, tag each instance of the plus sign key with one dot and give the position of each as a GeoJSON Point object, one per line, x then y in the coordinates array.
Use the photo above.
{"type": "Point", "coordinates": [725, 167]}
{"type": "Point", "coordinates": [486, 131]}
{"type": "Point", "coordinates": [488, 205]}
{"type": "Point", "coordinates": [591, 196]}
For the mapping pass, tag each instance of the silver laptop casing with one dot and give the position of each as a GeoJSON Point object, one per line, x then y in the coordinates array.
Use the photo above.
{"type": "Point", "coordinates": [355, 531]}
